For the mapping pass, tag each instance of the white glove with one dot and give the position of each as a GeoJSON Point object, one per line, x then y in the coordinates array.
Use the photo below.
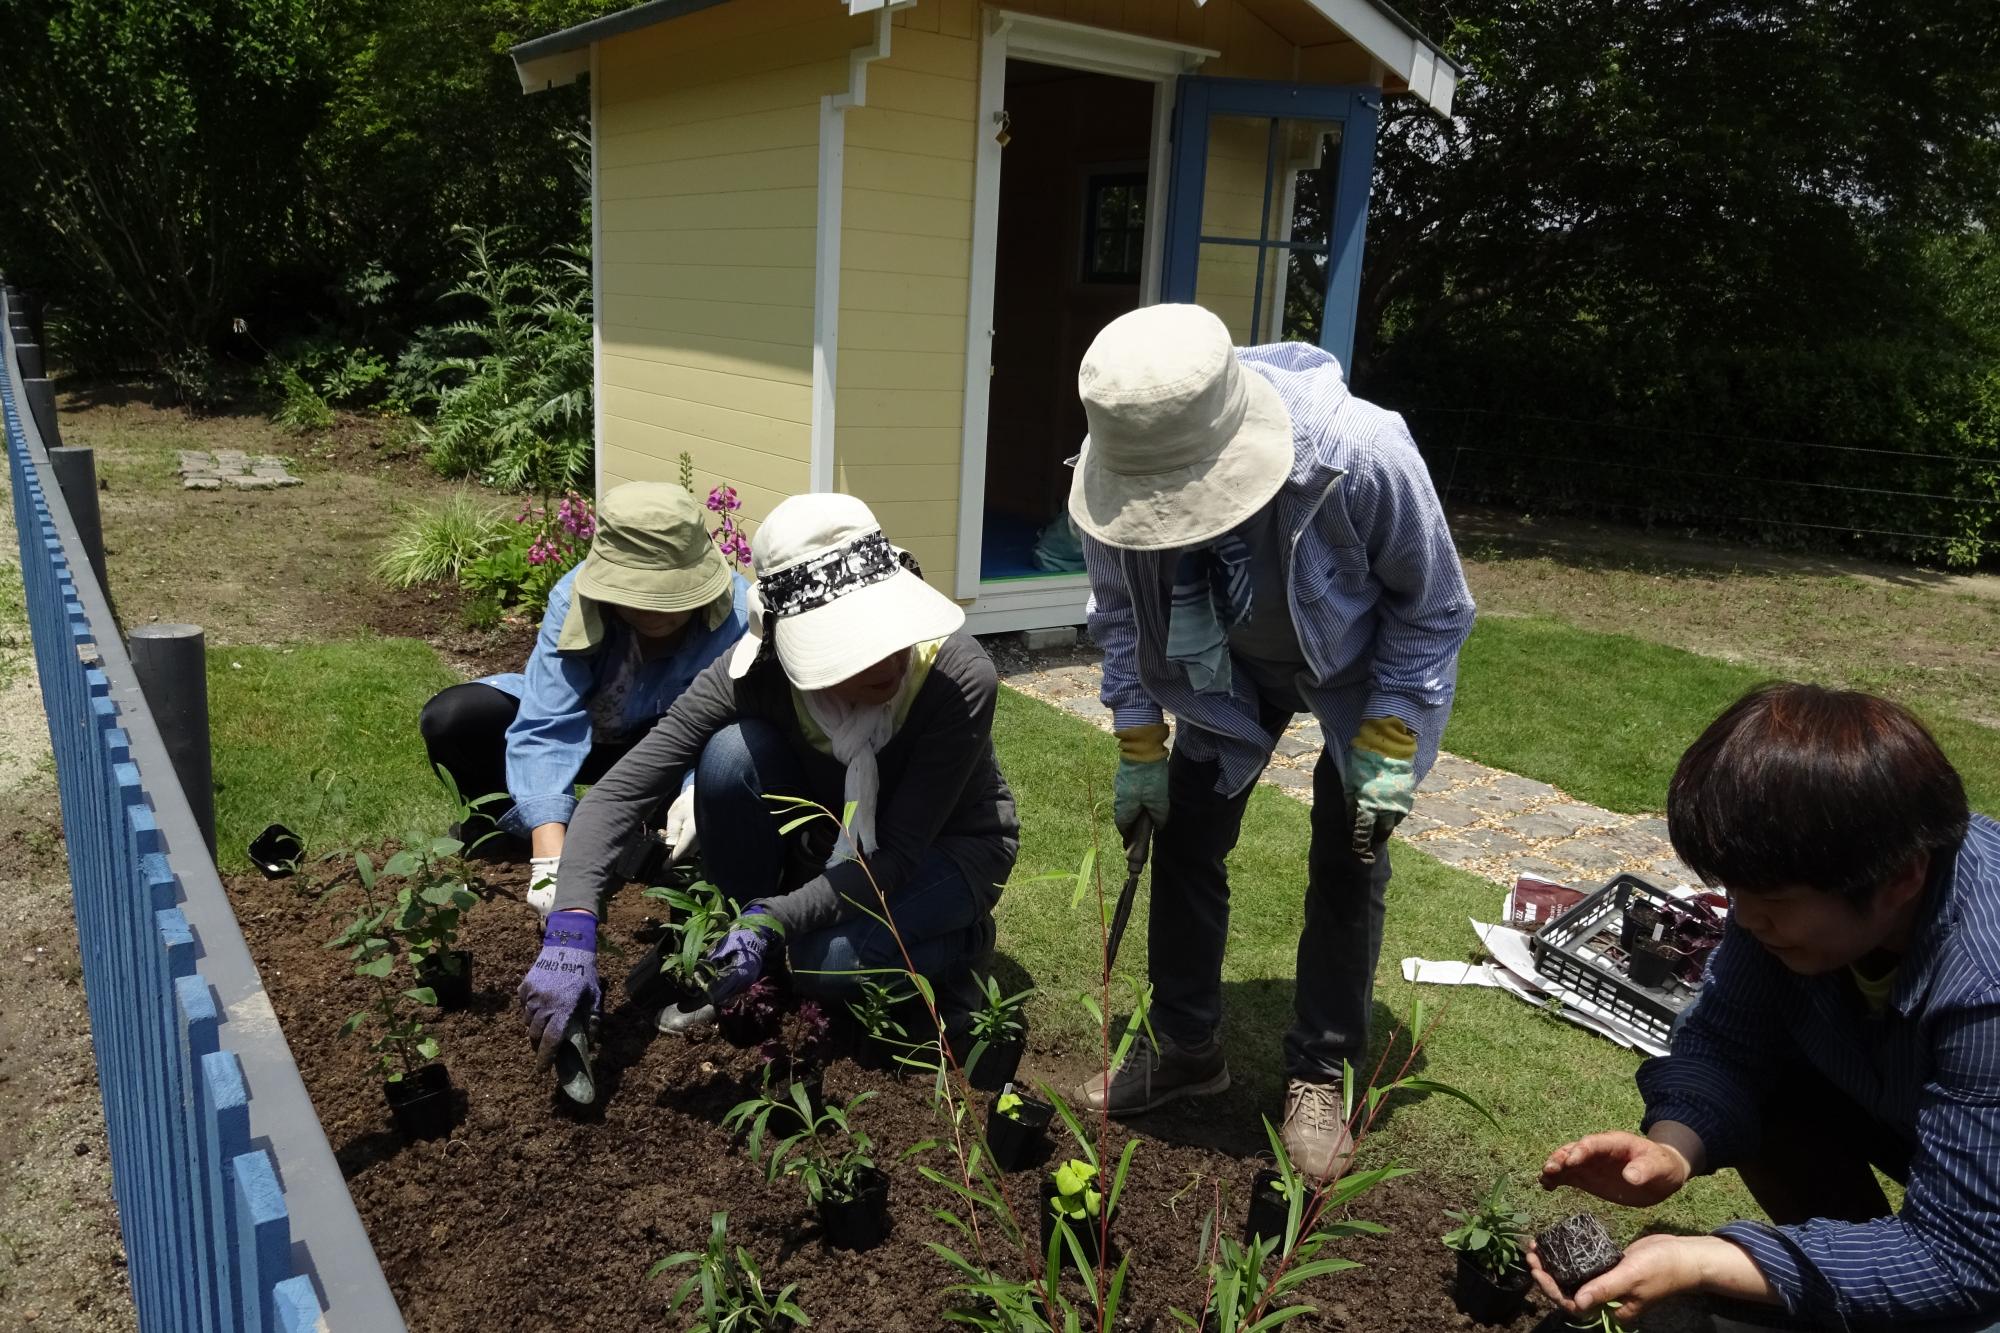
{"type": "Point", "coordinates": [682, 840]}
{"type": "Point", "coordinates": [542, 884]}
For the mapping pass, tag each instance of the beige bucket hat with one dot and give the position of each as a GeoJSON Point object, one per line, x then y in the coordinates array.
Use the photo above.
{"type": "Point", "coordinates": [1184, 443]}
{"type": "Point", "coordinates": [833, 598]}
{"type": "Point", "coordinates": [651, 552]}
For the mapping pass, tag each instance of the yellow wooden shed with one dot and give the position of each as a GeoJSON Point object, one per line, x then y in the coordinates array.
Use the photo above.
{"type": "Point", "coordinates": [861, 245]}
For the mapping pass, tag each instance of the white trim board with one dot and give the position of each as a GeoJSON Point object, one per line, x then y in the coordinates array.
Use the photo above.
{"type": "Point", "coordinates": [826, 256]}
{"type": "Point", "coordinates": [596, 299]}
{"type": "Point", "coordinates": [1016, 604]}
{"type": "Point", "coordinates": [1008, 35]}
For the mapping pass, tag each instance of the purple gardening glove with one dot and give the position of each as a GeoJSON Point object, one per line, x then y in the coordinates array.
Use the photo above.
{"type": "Point", "coordinates": [562, 985]}
{"type": "Point", "coordinates": [739, 959]}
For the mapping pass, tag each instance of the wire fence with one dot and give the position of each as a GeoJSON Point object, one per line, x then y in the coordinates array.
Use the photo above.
{"type": "Point", "coordinates": [1902, 504]}
{"type": "Point", "coordinates": [233, 1210]}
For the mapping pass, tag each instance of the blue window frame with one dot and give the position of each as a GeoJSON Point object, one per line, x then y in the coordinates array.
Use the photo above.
{"type": "Point", "coordinates": [1355, 110]}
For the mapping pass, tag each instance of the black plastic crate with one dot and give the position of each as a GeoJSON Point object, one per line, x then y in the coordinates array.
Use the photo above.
{"type": "Point", "coordinates": [1580, 950]}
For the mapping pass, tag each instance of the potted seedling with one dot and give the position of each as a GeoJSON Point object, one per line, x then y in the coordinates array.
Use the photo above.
{"type": "Point", "coordinates": [730, 1288]}
{"type": "Point", "coordinates": [416, 1086]}
{"type": "Point", "coordinates": [877, 1010]}
{"type": "Point", "coordinates": [752, 1018]}
{"type": "Point", "coordinates": [1576, 1250]}
{"type": "Point", "coordinates": [1491, 1283]}
{"type": "Point", "coordinates": [998, 1034]}
{"type": "Point", "coordinates": [829, 1157]}
{"type": "Point", "coordinates": [429, 908]}
{"type": "Point", "coordinates": [1016, 1128]}
{"type": "Point", "coordinates": [1073, 1206]}
{"type": "Point", "coordinates": [677, 973]}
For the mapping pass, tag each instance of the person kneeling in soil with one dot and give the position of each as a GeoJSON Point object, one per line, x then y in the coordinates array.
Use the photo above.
{"type": "Point", "coordinates": [857, 686]}
{"type": "Point", "coordinates": [1850, 1020]}
{"type": "Point", "coordinates": [624, 635]}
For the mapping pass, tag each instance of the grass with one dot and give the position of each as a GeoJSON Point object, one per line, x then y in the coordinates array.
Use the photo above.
{"type": "Point", "coordinates": [322, 738]}
{"type": "Point", "coordinates": [1545, 1080]}
{"type": "Point", "coordinates": [1607, 716]}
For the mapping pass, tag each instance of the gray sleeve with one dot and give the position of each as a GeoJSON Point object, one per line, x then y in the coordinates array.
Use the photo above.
{"type": "Point", "coordinates": [954, 718]}
{"type": "Point", "coordinates": [615, 810]}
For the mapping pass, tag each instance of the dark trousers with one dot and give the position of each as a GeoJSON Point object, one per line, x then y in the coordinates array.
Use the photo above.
{"type": "Point", "coordinates": [1338, 943]}
{"type": "Point", "coordinates": [465, 733]}
{"type": "Point", "coordinates": [942, 921]}
{"type": "Point", "coordinates": [1817, 1158]}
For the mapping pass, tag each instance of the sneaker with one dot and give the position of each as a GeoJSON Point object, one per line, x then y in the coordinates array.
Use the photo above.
{"type": "Point", "coordinates": [1315, 1132]}
{"type": "Point", "coordinates": [1154, 1075]}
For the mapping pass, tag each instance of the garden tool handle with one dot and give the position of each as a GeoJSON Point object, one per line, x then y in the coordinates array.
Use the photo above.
{"type": "Point", "coordinates": [1138, 846]}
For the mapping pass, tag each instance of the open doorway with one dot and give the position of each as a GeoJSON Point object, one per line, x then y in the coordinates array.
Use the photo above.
{"type": "Point", "coordinates": [1070, 256]}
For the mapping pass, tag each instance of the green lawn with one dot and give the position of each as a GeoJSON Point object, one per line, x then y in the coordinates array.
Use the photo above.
{"type": "Point", "coordinates": [322, 738]}
{"type": "Point", "coordinates": [1606, 717]}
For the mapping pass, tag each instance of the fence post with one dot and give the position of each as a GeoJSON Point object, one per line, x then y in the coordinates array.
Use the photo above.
{"type": "Point", "coordinates": [29, 354]}
{"type": "Point", "coordinates": [76, 474]}
{"type": "Point", "coordinates": [171, 662]}
{"type": "Point", "coordinates": [42, 405]}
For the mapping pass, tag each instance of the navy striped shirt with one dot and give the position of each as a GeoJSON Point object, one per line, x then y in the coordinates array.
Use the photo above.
{"type": "Point", "coordinates": [1928, 1067]}
{"type": "Point", "coordinates": [1376, 592]}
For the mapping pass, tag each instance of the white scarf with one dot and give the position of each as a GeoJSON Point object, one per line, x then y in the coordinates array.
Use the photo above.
{"type": "Point", "coordinates": [855, 734]}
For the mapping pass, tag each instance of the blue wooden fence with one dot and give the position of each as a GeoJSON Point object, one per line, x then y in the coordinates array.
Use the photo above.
{"type": "Point", "coordinates": [234, 1211]}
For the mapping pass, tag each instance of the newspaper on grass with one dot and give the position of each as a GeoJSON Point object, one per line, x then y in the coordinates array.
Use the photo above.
{"type": "Point", "coordinates": [1513, 969]}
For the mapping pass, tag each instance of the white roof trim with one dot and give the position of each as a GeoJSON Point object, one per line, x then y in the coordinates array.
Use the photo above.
{"type": "Point", "coordinates": [1384, 34]}
{"type": "Point", "coordinates": [1102, 50]}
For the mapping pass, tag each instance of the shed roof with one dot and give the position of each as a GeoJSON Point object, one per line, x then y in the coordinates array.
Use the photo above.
{"type": "Point", "coordinates": [561, 57]}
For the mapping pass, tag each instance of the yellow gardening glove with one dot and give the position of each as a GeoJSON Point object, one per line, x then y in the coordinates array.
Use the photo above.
{"type": "Point", "coordinates": [1141, 784]}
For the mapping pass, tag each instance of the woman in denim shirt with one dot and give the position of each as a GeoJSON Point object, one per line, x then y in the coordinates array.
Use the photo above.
{"type": "Point", "coordinates": [624, 634]}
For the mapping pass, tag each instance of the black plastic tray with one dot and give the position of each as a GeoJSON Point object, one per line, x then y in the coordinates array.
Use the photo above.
{"type": "Point", "coordinates": [1579, 950]}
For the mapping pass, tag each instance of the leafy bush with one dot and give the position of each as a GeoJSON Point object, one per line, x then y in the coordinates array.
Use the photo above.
{"type": "Point", "coordinates": [520, 416]}
{"type": "Point", "coordinates": [300, 406]}
{"type": "Point", "coordinates": [441, 541]}
{"type": "Point", "coordinates": [520, 571]}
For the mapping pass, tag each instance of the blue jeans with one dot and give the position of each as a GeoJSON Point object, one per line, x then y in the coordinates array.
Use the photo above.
{"type": "Point", "coordinates": [936, 912]}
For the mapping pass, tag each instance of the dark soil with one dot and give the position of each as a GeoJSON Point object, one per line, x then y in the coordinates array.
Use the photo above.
{"type": "Point", "coordinates": [533, 1216]}
{"type": "Point", "coordinates": [436, 613]}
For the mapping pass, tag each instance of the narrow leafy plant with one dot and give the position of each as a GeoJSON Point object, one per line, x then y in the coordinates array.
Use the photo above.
{"type": "Point", "coordinates": [400, 1043]}
{"type": "Point", "coordinates": [727, 1290]}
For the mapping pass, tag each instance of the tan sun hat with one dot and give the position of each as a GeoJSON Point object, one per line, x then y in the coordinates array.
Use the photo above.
{"type": "Point", "coordinates": [833, 598]}
{"type": "Point", "coordinates": [651, 552]}
{"type": "Point", "coordinates": [1184, 443]}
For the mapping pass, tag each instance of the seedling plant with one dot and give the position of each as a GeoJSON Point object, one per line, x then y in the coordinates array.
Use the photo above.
{"type": "Point", "coordinates": [729, 1287]}
{"type": "Point", "coordinates": [400, 1044]}
{"type": "Point", "coordinates": [1492, 1234]}
{"type": "Point", "coordinates": [823, 1151]}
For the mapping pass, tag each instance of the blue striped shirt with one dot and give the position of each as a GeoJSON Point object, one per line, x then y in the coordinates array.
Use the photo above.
{"type": "Point", "coordinates": [1375, 588]}
{"type": "Point", "coordinates": [1928, 1067]}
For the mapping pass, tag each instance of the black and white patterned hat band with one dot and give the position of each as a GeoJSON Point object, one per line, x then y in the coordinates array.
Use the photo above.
{"type": "Point", "coordinates": [813, 583]}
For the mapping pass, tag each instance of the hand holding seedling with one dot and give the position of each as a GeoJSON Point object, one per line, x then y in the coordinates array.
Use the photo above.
{"type": "Point", "coordinates": [1656, 1267]}
{"type": "Point", "coordinates": [739, 959]}
{"type": "Point", "coordinates": [1619, 1168]}
{"type": "Point", "coordinates": [562, 985]}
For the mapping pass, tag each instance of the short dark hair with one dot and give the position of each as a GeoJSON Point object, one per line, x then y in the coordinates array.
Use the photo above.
{"type": "Point", "coordinates": [1798, 784]}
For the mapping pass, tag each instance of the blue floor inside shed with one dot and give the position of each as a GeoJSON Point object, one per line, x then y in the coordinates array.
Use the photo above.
{"type": "Point", "coordinates": [1007, 549]}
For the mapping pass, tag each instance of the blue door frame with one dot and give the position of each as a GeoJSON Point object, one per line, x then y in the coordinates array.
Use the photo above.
{"type": "Point", "coordinates": [1358, 111]}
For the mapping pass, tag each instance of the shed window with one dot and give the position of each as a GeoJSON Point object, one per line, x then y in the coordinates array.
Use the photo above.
{"type": "Point", "coordinates": [1114, 229]}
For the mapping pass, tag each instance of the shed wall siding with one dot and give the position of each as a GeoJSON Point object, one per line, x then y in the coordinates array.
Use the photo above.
{"type": "Point", "coordinates": [708, 156]}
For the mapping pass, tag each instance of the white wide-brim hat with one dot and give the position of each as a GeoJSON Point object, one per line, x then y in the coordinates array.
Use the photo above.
{"type": "Point", "coordinates": [833, 597]}
{"type": "Point", "coordinates": [1184, 444]}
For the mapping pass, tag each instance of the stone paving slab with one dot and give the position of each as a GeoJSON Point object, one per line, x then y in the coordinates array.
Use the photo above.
{"type": "Point", "coordinates": [1484, 820]}
{"type": "Point", "coordinates": [233, 468]}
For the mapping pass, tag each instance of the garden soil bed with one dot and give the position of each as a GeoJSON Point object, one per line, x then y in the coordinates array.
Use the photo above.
{"type": "Point", "coordinates": [531, 1216]}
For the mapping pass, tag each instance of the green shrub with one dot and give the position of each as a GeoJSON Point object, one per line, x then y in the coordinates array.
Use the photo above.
{"type": "Point", "coordinates": [520, 416]}
{"type": "Point", "coordinates": [300, 406]}
{"type": "Point", "coordinates": [441, 541]}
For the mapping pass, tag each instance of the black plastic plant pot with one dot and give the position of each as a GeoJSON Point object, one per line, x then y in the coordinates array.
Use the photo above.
{"type": "Point", "coordinates": [276, 851]}
{"type": "Point", "coordinates": [449, 975]}
{"type": "Point", "coordinates": [1269, 1208]}
{"type": "Point", "coordinates": [1576, 1250]}
{"type": "Point", "coordinates": [1484, 1300]}
{"type": "Point", "coordinates": [996, 1066]}
{"type": "Point", "coordinates": [1015, 1140]}
{"type": "Point", "coordinates": [1645, 967]}
{"type": "Point", "coordinates": [862, 1222]}
{"type": "Point", "coordinates": [879, 1055]}
{"type": "Point", "coordinates": [420, 1103]}
{"type": "Point", "coordinates": [1086, 1232]}
{"type": "Point", "coordinates": [739, 1029]}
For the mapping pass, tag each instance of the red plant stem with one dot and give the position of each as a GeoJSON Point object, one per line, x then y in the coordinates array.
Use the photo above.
{"type": "Point", "coordinates": [1104, 1033]}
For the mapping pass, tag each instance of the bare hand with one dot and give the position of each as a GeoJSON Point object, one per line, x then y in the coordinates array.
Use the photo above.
{"type": "Point", "coordinates": [1654, 1268]}
{"type": "Point", "coordinates": [1618, 1168]}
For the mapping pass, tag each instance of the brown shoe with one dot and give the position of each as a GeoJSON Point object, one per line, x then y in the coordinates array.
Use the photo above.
{"type": "Point", "coordinates": [1315, 1132]}
{"type": "Point", "coordinates": [1152, 1076]}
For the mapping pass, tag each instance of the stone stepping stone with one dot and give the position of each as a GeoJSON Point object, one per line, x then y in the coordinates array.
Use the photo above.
{"type": "Point", "coordinates": [232, 467]}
